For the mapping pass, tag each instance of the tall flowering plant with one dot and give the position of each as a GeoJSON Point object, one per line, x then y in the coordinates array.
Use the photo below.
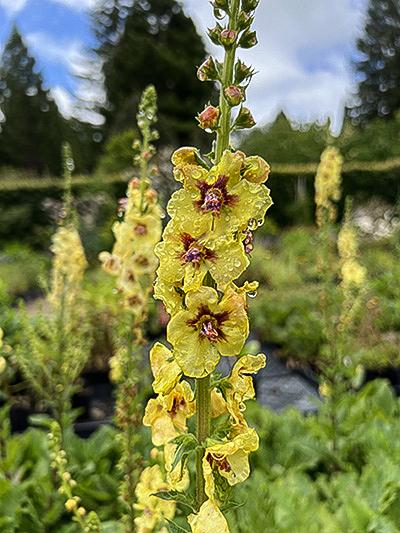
{"type": "Point", "coordinates": [343, 288]}
{"type": "Point", "coordinates": [206, 246]}
{"type": "Point", "coordinates": [56, 347]}
{"type": "Point", "coordinates": [133, 263]}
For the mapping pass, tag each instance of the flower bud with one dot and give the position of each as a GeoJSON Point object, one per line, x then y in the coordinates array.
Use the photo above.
{"type": "Point", "coordinates": [70, 505]}
{"type": "Point", "coordinates": [3, 364]}
{"type": "Point", "coordinates": [81, 511]}
{"type": "Point", "coordinates": [228, 37]}
{"type": "Point", "coordinates": [244, 120]}
{"type": "Point", "coordinates": [134, 183]}
{"type": "Point", "coordinates": [208, 119]}
{"type": "Point", "coordinates": [207, 70]}
{"type": "Point", "coordinates": [234, 95]}
{"type": "Point", "coordinates": [242, 72]}
{"type": "Point", "coordinates": [248, 39]}
{"type": "Point", "coordinates": [214, 34]}
{"type": "Point", "coordinates": [249, 5]}
{"type": "Point", "coordinates": [221, 4]}
{"type": "Point", "coordinates": [245, 21]}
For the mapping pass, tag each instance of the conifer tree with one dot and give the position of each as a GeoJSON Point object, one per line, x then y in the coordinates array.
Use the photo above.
{"type": "Point", "coordinates": [32, 129]}
{"type": "Point", "coordinates": [150, 42]}
{"type": "Point", "coordinates": [379, 64]}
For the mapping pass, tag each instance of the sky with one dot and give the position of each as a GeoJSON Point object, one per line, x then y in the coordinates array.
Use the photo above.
{"type": "Point", "coordinates": [303, 58]}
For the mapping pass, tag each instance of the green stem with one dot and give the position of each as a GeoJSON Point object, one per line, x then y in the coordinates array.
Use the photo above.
{"type": "Point", "coordinates": [223, 135]}
{"type": "Point", "coordinates": [203, 401]}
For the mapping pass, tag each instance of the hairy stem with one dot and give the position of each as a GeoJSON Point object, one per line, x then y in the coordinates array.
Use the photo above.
{"type": "Point", "coordinates": [223, 134]}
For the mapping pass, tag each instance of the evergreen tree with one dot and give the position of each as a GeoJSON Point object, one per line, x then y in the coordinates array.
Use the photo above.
{"type": "Point", "coordinates": [379, 65]}
{"type": "Point", "coordinates": [152, 41]}
{"type": "Point", "coordinates": [32, 129]}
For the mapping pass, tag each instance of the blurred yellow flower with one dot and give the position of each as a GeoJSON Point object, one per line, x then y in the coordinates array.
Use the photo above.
{"type": "Point", "coordinates": [153, 510]}
{"type": "Point", "coordinates": [167, 415]}
{"type": "Point", "coordinates": [207, 328]}
{"type": "Point", "coordinates": [69, 265]}
{"type": "Point", "coordinates": [327, 185]}
{"type": "Point", "coordinates": [352, 273]}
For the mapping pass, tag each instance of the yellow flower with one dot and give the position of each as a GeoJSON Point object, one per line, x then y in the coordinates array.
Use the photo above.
{"type": "Point", "coordinates": [229, 459]}
{"type": "Point", "coordinates": [220, 199]}
{"type": "Point", "coordinates": [170, 295]}
{"type": "Point", "coordinates": [218, 404]}
{"type": "Point", "coordinates": [69, 265]}
{"type": "Point", "coordinates": [327, 185]}
{"type": "Point", "coordinates": [146, 229]}
{"type": "Point", "coordinates": [110, 263]}
{"type": "Point", "coordinates": [185, 258]}
{"type": "Point", "coordinates": [208, 520]}
{"type": "Point", "coordinates": [352, 273]}
{"type": "Point", "coordinates": [167, 415]}
{"type": "Point", "coordinates": [177, 478]}
{"type": "Point", "coordinates": [241, 384]}
{"type": "Point", "coordinates": [207, 328]}
{"type": "Point", "coordinates": [154, 510]}
{"type": "Point", "coordinates": [165, 370]}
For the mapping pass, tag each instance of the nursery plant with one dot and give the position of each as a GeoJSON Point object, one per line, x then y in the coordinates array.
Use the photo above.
{"type": "Point", "coordinates": [56, 343]}
{"type": "Point", "coordinates": [205, 248]}
{"type": "Point", "coordinates": [133, 263]}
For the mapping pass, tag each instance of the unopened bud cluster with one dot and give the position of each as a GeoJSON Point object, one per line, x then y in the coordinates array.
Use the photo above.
{"type": "Point", "coordinates": [237, 33]}
{"type": "Point", "coordinates": [88, 522]}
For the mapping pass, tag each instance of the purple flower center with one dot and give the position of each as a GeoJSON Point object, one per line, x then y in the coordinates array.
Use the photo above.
{"type": "Point", "coordinates": [213, 200]}
{"type": "Point", "coordinates": [193, 255]}
{"type": "Point", "coordinates": [209, 331]}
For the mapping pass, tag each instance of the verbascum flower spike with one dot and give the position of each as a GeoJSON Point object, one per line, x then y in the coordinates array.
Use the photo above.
{"type": "Point", "coordinates": [133, 263]}
{"type": "Point", "coordinates": [353, 275]}
{"type": "Point", "coordinates": [328, 185]}
{"type": "Point", "coordinates": [69, 262]}
{"type": "Point", "coordinates": [206, 247]}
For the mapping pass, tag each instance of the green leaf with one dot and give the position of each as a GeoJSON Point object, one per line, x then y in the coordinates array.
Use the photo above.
{"type": "Point", "coordinates": [174, 528]}
{"type": "Point", "coordinates": [186, 444]}
{"type": "Point", "coordinates": [175, 496]}
{"type": "Point", "coordinates": [43, 421]}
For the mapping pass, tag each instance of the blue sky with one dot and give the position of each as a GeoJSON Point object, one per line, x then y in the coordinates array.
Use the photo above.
{"type": "Point", "coordinates": [303, 57]}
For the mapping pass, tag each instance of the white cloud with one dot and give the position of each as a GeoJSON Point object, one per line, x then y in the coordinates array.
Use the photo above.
{"type": "Point", "coordinates": [13, 6]}
{"type": "Point", "coordinates": [303, 56]}
{"type": "Point", "coordinates": [80, 5]}
{"type": "Point", "coordinates": [50, 49]}
{"type": "Point", "coordinates": [64, 100]}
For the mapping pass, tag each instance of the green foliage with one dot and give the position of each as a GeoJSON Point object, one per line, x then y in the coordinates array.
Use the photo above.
{"type": "Point", "coordinates": [287, 310]}
{"type": "Point", "coordinates": [20, 269]}
{"type": "Point", "coordinates": [117, 152]}
{"type": "Point", "coordinates": [152, 42]}
{"type": "Point", "coordinates": [378, 63]}
{"type": "Point", "coordinates": [32, 133]}
{"type": "Point", "coordinates": [297, 484]}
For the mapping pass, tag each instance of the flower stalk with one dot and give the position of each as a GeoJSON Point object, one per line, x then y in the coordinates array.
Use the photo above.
{"type": "Point", "coordinates": [133, 263]}
{"type": "Point", "coordinates": [206, 247]}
